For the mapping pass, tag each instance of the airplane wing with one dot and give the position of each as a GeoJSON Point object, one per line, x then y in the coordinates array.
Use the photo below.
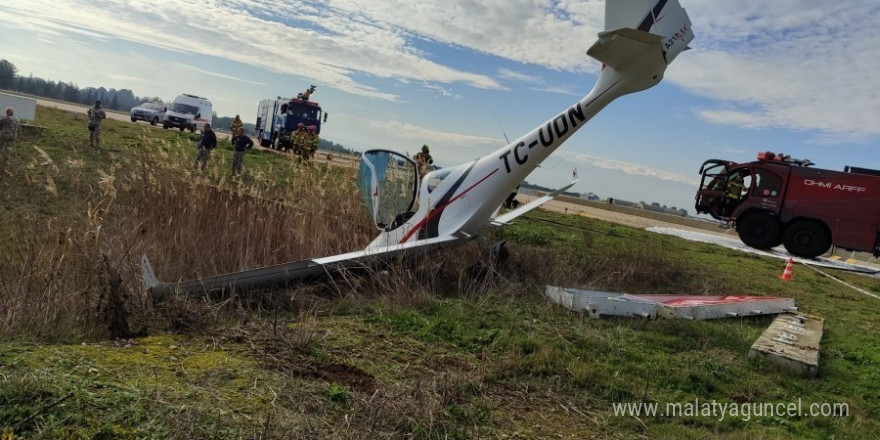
{"type": "Point", "coordinates": [296, 272]}
{"type": "Point", "coordinates": [505, 218]}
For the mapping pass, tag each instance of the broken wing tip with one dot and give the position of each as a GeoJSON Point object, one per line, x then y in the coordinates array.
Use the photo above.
{"type": "Point", "coordinates": [149, 276]}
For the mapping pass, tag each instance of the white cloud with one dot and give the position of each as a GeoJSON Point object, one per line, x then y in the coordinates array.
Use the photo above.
{"type": "Point", "coordinates": [127, 79]}
{"type": "Point", "coordinates": [550, 33]}
{"type": "Point", "coordinates": [626, 167]}
{"type": "Point", "coordinates": [793, 64]}
{"type": "Point", "coordinates": [799, 65]}
{"type": "Point", "coordinates": [561, 89]}
{"type": "Point", "coordinates": [539, 84]}
{"type": "Point", "coordinates": [438, 90]}
{"type": "Point", "coordinates": [218, 75]}
{"type": "Point", "coordinates": [519, 76]}
{"type": "Point", "coordinates": [330, 49]}
{"type": "Point", "coordinates": [411, 133]}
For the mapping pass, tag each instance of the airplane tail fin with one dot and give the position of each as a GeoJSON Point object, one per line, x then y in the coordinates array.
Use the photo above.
{"type": "Point", "coordinates": [664, 18]}
{"type": "Point", "coordinates": [640, 39]}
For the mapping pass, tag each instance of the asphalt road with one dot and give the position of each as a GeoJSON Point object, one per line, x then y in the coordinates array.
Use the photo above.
{"type": "Point", "coordinates": [111, 114]}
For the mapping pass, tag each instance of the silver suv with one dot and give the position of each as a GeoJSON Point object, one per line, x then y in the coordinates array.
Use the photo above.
{"type": "Point", "coordinates": [148, 111]}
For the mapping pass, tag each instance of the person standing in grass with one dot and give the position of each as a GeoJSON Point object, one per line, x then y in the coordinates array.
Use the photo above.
{"type": "Point", "coordinates": [235, 126]}
{"type": "Point", "coordinates": [241, 145]}
{"type": "Point", "coordinates": [9, 130]}
{"type": "Point", "coordinates": [96, 115]}
{"type": "Point", "coordinates": [207, 143]}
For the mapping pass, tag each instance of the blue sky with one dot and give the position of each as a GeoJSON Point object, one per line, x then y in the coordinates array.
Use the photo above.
{"type": "Point", "coordinates": [796, 76]}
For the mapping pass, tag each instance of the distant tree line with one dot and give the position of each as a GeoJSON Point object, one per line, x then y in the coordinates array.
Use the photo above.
{"type": "Point", "coordinates": [324, 144]}
{"type": "Point", "coordinates": [123, 99]}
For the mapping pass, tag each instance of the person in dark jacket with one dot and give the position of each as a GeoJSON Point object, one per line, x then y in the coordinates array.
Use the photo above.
{"type": "Point", "coordinates": [241, 145]}
{"type": "Point", "coordinates": [207, 143]}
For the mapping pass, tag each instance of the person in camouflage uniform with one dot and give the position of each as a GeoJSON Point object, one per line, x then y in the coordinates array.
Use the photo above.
{"type": "Point", "coordinates": [9, 130]}
{"type": "Point", "coordinates": [96, 115]}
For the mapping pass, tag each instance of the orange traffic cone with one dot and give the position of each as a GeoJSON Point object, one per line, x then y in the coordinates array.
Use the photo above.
{"type": "Point", "coordinates": [786, 274]}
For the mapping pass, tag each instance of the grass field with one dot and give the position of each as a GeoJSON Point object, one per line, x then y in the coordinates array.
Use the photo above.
{"type": "Point", "coordinates": [431, 349]}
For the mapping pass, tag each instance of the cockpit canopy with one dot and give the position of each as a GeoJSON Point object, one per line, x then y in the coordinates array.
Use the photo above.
{"type": "Point", "coordinates": [389, 184]}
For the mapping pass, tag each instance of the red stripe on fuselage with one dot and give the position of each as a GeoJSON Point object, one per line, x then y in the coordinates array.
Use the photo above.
{"type": "Point", "coordinates": [437, 210]}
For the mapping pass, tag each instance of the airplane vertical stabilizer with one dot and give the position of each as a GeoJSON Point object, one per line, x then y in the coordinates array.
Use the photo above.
{"type": "Point", "coordinates": [641, 38]}
{"type": "Point", "coordinates": [626, 14]}
{"type": "Point", "coordinates": [664, 18]}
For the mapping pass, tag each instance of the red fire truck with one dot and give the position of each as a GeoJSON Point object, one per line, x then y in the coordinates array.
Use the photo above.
{"type": "Point", "coordinates": [779, 200]}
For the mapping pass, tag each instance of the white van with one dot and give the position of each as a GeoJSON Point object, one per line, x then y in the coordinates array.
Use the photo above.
{"type": "Point", "coordinates": [188, 112]}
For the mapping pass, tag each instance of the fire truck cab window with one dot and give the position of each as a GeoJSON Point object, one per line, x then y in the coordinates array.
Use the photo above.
{"type": "Point", "coordinates": [738, 184]}
{"type": "Point", "coordinates": [767, 184]}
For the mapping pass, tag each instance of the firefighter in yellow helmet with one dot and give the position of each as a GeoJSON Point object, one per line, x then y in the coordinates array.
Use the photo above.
{"type": "Point", "coordinates": [299, 140]}
{"type": "Point", "coordinates": [311, 144]}
{"type": "Point", "coordinates": [234, 126]}
{"type": "Point", "coordinates": [735, 187]}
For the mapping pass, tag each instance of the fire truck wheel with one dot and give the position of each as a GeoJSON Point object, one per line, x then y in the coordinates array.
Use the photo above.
{"type": "Point", "coordinates": [806, 239]}
{"type": "Point", "coordinates": [759, 230]}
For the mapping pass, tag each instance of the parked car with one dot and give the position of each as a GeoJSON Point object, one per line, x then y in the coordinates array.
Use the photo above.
{"type": "Point", "coordinates": [149, 111]}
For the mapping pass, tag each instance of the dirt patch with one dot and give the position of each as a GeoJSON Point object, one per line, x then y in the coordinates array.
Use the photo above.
{"type": "Point", "coordinates": [296, 362]}
{"type": "Point", "coordinates": [354, 377]}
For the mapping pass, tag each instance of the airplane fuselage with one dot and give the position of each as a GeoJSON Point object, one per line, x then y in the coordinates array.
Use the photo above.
{"type": "Point", "coordinates": [463, 203]}
{"type": "Point", "coordinates": [640, 39]}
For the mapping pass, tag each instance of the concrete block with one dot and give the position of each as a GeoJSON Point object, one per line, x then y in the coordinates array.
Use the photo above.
{"type": "Point", "coordinates": [791, 342]}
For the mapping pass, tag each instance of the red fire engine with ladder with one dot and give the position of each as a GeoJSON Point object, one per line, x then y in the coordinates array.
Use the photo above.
{"type": "Point", "coordinates": [780, 200]}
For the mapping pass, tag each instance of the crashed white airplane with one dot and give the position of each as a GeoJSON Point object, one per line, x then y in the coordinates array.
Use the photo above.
{"type": "Point", "coordinates": [450, 205]}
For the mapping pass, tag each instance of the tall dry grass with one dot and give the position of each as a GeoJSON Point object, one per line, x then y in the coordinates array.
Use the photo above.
{"type": "Point", "coordinates": [67, 274]}
{"type": "Point", "coordinates": [74, 272]}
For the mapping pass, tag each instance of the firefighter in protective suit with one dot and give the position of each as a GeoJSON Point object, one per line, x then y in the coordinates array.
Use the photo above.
{"type": "Point", "coordinates": [733, 195]}
{"type": "Point", "coordinates": [298, 140]}
{"type": "Point", "coordinates": [424, 160]}
{"type": "Point", "coordinates": [735, 187]}
{"type": "Point", "coordinates": [311, 143]}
